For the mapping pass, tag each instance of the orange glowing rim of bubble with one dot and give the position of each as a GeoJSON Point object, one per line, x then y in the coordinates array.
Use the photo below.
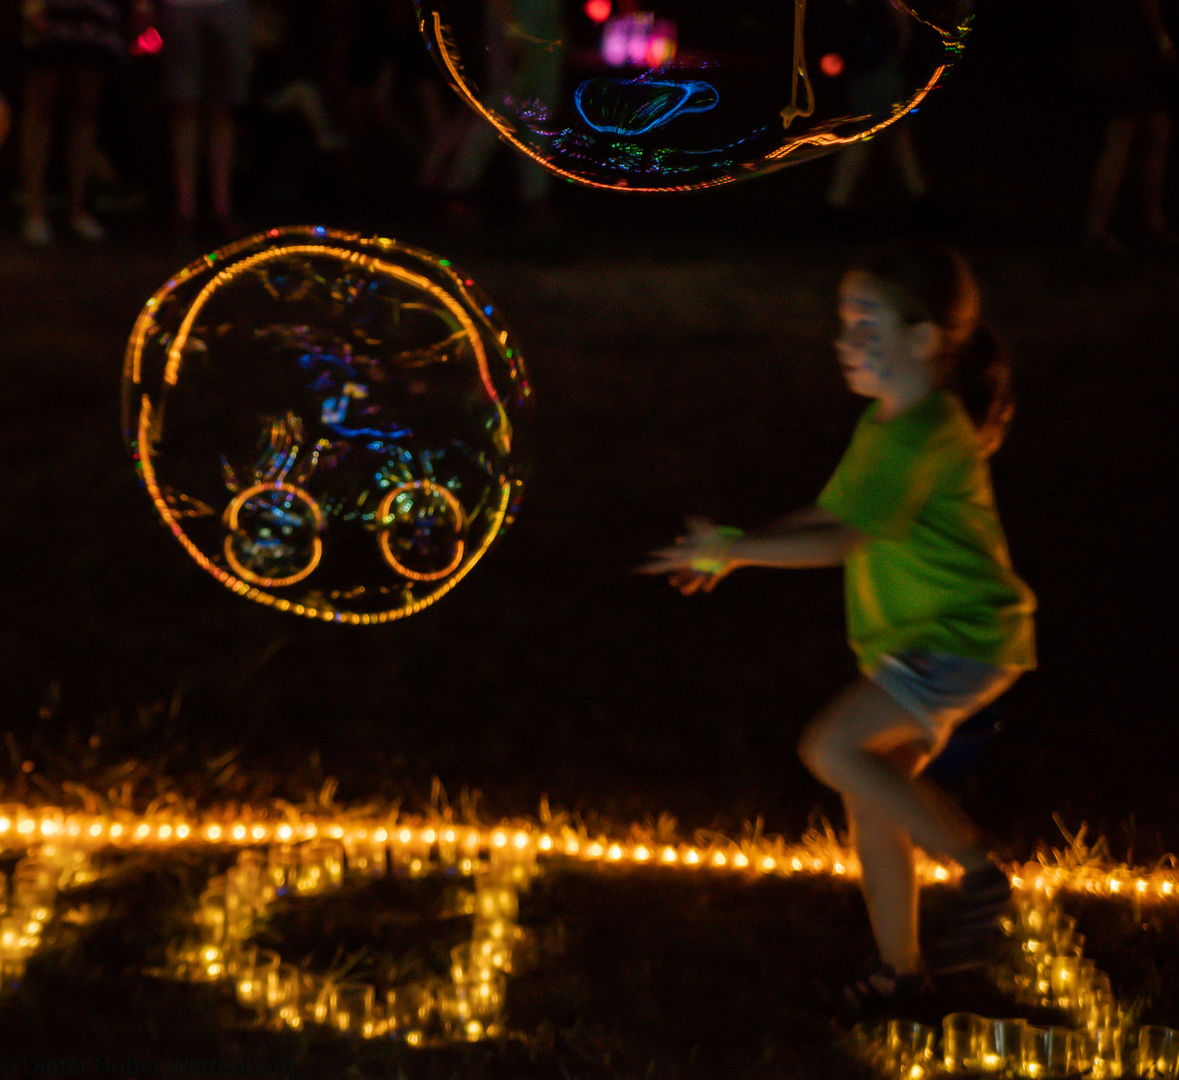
{"type": "Point", "coordinates": [147, 425]}
{"type": "Point", "coordinates": [824, 139]}
{"type": "Point", "coordinates": [231, 523]}
{"type": "Point", "coordinates": [452, 504]}
{"type": "Point", "coordinates": [133, 359]}
{"type": "Point", "coordinates": [369, 262]}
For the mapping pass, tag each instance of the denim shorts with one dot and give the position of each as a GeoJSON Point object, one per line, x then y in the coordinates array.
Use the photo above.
{"type": "Point", "coordinates": [940, 689]}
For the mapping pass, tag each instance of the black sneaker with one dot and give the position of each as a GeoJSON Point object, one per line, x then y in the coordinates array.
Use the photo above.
{"type": "Point", "coordinates": [975, 933]}
{"type": "Point", "coordinates": [877, 992]}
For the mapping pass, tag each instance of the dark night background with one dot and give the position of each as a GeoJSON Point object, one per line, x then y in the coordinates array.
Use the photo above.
{"type": "Point", "coordinates": [679, 347]}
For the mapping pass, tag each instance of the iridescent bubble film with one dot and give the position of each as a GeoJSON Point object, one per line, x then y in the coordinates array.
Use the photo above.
{"type": "Point", "coordinates": [689, 94]}
{"type": "Point", "coordinates": [329, 423]}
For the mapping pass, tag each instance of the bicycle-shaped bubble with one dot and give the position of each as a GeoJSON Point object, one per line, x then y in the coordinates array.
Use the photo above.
{"type": "Point", "coordinates": [329, 424]}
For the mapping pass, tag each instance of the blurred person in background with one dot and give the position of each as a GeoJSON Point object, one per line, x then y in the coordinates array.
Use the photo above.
{"type": "Point", "coordinates": [1126, 62]}
{"type": "Point", "coordinates": [875, 81]}
{"type": "Point", "coordinates": [394, 101]}
{"type": "Point", "coordinates": [207, 77]}
{"type": "Point", "coordinates": [68, 49]}
{"type": "Point", "coordinates": [287, 75]}
{"type": "Point", "coordinates": [519, 66]}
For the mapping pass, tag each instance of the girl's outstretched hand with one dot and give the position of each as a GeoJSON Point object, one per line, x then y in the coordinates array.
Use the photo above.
{"type": "Point", "coordinates": [698, 560]}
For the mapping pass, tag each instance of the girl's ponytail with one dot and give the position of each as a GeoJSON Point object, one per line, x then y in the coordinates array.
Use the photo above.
{"type": "Point", "coordinates": [980, 374]}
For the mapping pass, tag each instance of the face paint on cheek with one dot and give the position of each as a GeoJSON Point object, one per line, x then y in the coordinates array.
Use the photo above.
{"type": "Point", "coordinates": [876, 364]}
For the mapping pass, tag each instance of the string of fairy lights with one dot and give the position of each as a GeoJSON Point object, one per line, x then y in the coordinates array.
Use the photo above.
{"type": "Point", "coordinates": [281, 850]}
{"type": "Point", "coordinates": [416, 837]}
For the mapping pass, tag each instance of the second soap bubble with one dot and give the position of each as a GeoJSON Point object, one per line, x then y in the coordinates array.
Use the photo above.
{"type": "Point", "coordinates": [687, 94]}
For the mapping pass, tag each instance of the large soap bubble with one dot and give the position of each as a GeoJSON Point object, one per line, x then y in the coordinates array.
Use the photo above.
{"type": "Point", "coordinates": [329, 424]}
{"type": "Point", "coordinates": [689, 94]}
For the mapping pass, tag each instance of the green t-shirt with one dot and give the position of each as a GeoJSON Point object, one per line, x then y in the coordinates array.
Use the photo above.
{"type": "Point", "coordinates": [934, 572]}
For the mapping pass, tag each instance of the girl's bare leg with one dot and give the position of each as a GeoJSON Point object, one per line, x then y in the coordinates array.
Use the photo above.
{"type": "Point", "coordinates": [853, 746]}
{"type": "Point", "coordinates": [889, 882]}
{"type": "Point", "coordinates": [866, 746]}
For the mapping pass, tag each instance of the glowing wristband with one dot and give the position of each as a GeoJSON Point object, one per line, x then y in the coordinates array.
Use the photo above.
{"type": "Point", "coordinates": [716, 566]}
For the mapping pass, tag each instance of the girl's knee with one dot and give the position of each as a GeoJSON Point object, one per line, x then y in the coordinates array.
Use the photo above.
{"type": "Point", "coordinates": [819, 751]}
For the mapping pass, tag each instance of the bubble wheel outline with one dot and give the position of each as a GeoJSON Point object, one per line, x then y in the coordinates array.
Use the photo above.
{"type": "Point", "coordinates": [233, 530]}
{"type": "Point", "coordinates": [452, 504]}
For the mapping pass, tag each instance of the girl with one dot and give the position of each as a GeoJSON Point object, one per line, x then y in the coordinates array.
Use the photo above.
{"type": "Point", "coordinates": [939, 622]}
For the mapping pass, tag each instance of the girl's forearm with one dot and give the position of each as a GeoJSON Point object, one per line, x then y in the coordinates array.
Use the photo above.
{"type": "Point", "coordinates": [805, 517]}
{"type": "Point", "coordinates": [825, 543]}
